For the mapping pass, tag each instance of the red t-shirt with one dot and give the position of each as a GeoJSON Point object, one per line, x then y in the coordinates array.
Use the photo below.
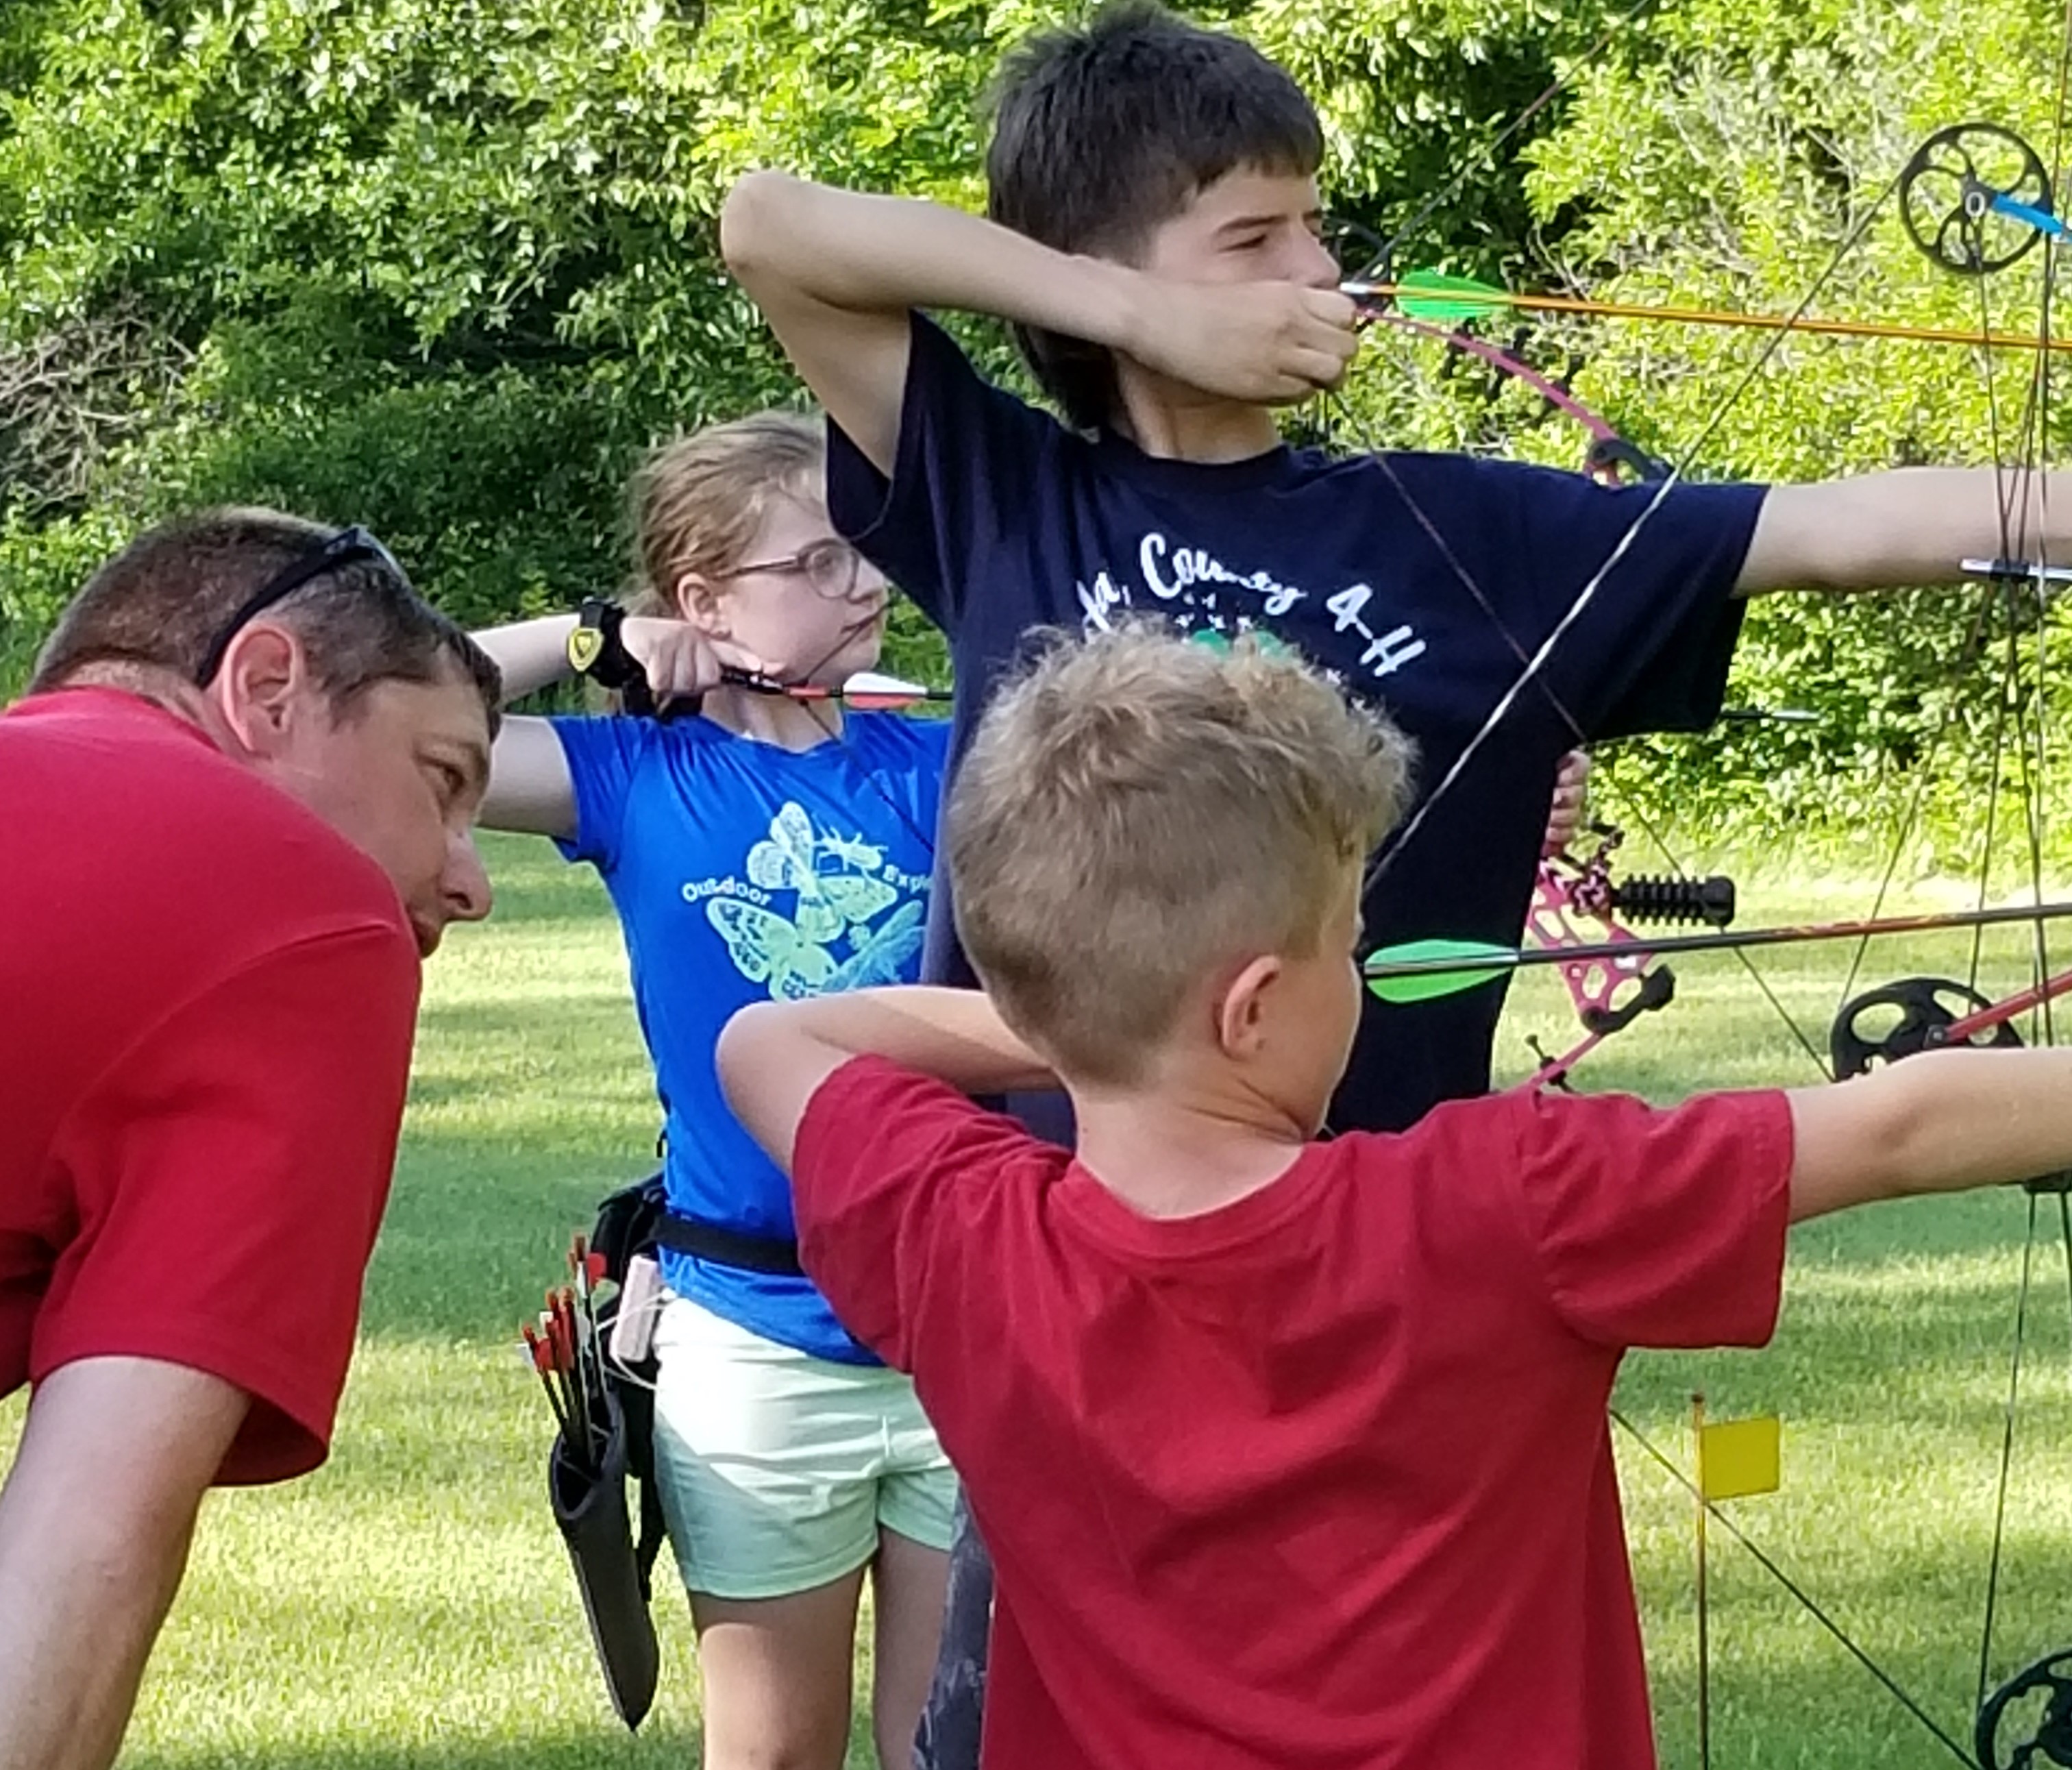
{"type": "Point", "coordinates": [207, 1002]}
{"type": "Point", "coordinates": [1321, 1479]}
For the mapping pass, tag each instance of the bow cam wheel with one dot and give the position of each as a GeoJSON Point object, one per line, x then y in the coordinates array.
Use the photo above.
{"type": "Point", "coordinates": [1915, 1014]}
{"type": "Point", "coordinates": [2028, 1721]}
{"type": "Point", "coordinates": [1946, 193]}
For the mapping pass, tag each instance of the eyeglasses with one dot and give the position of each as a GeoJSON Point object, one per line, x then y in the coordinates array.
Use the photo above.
{"type": "Point", "coordinates": [830, 566]}
{"type": "Point", "coordinates": [347, 547]}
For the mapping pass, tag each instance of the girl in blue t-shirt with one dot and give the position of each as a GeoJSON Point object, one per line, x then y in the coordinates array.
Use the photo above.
{"type": "Point", "coordinates": [761, 847]}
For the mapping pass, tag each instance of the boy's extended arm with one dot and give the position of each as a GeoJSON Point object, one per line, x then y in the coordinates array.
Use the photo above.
{"type": "Point", "coordinates": [836, 273]}
{"type": "Point", "coordinates": [774, 1056]}
{"type": "Point", "coordinates": [1943, 1122]}
{"type": "Point", "coordinates": [1911, 525]}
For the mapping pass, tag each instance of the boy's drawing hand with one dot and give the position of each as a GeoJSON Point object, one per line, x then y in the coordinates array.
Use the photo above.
{"type": "Point", "coordinates": [1268, 343]}
{"type": "Point", "coordinates": [680, 662]}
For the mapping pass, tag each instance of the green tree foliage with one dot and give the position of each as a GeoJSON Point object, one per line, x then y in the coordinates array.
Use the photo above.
{"type": "Point", "coordinates": [1756, 152]}
{"type": "Point", "coordinates": [1721, 154]}
{"type": "Point", "coordinates": [443, 268]}
{"type": "Point", "coordinates": [446, 266]}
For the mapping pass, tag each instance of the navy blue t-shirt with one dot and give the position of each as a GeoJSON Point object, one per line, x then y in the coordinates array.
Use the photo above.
{"type": "Point", "coordinates": [998, 519]}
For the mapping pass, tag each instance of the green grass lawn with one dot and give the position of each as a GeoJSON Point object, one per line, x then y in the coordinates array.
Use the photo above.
{"type": "Point", "coordinates": [410, 1604]}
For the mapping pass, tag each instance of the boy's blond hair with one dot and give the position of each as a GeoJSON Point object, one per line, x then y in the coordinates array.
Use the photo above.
{"type": "Point", "coordinates": [1138, 811]}
{"type": "Point", "coordinates": [698, 501]}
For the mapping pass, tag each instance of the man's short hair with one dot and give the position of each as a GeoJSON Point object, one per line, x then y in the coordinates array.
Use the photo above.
{"type": "Point", "coordinates": [161, 603]}
{"type": "Point", "coordinates": [1102, 133]}
{"type": "Point", "coordinates": [1136, 813]}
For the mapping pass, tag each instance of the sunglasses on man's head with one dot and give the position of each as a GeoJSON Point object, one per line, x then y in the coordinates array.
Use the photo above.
{"type": "Point", "coordinates": [347, 547]}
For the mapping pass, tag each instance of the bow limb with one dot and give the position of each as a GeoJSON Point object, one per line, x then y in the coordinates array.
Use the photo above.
{"type": "Point", "coordinates": [1552, 392]}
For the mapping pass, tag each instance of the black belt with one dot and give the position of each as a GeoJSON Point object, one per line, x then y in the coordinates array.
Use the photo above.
{"type": "Point", "coordinates": [773, 1255]}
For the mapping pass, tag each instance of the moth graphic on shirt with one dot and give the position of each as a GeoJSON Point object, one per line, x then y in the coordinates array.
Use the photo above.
{"type": "Point", "coordinates": [847, 926]}
{"type": "Point", "coordinates": [768, 949]}
{"type": "Point", "coordinates": [828, 903]}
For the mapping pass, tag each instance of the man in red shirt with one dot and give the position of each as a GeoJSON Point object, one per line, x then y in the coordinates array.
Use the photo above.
{"type": "Point", "coordinates": [238, 798]}
{"type": "Point", "coordinates": [1291, 1454]}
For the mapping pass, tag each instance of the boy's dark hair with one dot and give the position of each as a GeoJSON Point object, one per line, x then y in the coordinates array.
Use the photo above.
{"type": "Point", "coordinates": [163, 601]}
{"type": "Point", "coordinates": [1101, 133]}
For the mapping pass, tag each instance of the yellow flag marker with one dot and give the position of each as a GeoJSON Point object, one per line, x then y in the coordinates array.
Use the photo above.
{"type": "Point", "coordinates": [1737, 1458]}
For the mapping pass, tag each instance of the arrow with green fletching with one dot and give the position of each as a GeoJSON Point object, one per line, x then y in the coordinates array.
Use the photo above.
{"type": "Point", "coordinates": [1440, 297]}
{"type": "Point", "coordinates": [1447, 300]}
{"type": "Point", "coordinates": [1421, 970]}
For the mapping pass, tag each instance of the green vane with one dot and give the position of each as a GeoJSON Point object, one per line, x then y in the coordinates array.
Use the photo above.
{"type": "Point", "coordinates": [1420, 970]}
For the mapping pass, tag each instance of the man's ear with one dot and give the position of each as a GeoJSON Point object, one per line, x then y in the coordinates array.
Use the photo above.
{"type": "Point", "coordinates": [262, 691]}
{"type": "Point", "coordinates": [1241, 1009]}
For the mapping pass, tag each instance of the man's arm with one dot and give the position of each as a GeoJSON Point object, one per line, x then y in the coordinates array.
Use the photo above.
{"type": "Point", "coordinates": [1943, 1122]}
{"type": "Point", "coordinates": [94, 1521]}
{"type": "Point", "coordinates": [1912, 525]}
{"type": "Point", "coordinates": [774, 1056]}
{"type": "Point", "coordinates": [836, 273]}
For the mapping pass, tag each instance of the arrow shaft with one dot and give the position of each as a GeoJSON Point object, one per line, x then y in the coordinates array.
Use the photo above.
{"type": "Point", "coordinates": [1721, 941]}
{"type": "Point", "coordinates": [876, 698]}
{"type": "Point", "coordinates": [1710, 316]}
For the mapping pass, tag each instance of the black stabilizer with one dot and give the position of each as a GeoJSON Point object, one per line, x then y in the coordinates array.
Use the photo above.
{"type": "Point", "coordinates": [1707, 900]}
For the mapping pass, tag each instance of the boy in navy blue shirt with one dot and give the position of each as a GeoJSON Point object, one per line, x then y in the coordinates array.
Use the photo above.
{"type": "Point", "coordinates": [1154, 238]}
{"type": "Point", "coordinates": [1158, 185]}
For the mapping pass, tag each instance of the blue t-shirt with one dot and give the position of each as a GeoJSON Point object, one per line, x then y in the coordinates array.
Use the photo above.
{"type": "Point", "coordinates": [742, 872]}
{"type": "Point", "coordinates": [998, 519]}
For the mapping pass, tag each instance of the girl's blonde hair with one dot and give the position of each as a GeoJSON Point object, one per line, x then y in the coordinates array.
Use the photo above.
{"type": "Point", "coordinates": [697, 502]}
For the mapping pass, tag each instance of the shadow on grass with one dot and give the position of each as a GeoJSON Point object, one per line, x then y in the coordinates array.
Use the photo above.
{"type": "Point", "coordinates": [654, 1748]}
{"type": "Point", "coordinates": [473, 1237]}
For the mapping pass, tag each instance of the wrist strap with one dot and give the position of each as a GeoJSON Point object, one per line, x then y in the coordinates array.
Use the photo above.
{"type": "Point", "coordinates": [596, 651]}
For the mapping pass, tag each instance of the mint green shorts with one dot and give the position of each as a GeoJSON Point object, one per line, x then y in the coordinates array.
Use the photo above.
{"type": "Point", "coordinates": [779, 1469]}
